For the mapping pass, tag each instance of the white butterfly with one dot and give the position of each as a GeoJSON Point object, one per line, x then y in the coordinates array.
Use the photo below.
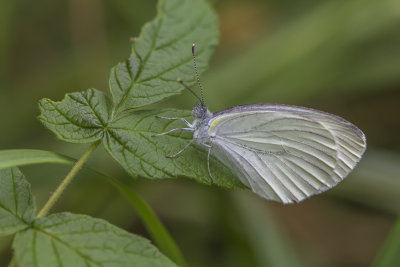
{"type": "Point", "coordinates": [283, 153]}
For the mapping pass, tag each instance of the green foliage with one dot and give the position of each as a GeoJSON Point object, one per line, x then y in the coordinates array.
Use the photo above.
{"type": "Point", "coordinates": [327, 47]}
{"type": "Point", "coordinates": [16, 204]}
{"type": "Point", "coordinates": [65, 239]}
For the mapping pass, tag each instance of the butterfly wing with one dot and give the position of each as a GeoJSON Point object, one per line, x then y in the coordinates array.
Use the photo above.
{"type": "Point", "coordinates": [286, 153]}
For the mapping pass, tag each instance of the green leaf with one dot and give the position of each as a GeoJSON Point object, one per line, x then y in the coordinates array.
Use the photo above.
{"type": "Point", "coordinates": [66, 239]}
{"type": "Point", "coordinates": [80, 117]}
{"type": "Point", "coordinates": [129, 140]}
{"type": "Point", "coordinates": [18, 157]}
{"type": "Point", "coordinates": [162, 53]}
{"type": "Point", "coordinates": [390, 252]}
{"type": "Point", "coordinates": [16, 203]}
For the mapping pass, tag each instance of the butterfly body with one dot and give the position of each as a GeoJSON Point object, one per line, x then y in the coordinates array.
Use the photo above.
{"type": "Point", "coordinates": [283, 153]}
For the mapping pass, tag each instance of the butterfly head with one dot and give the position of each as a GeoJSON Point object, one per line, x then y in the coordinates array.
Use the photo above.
{"type": "Point", "coordinates": [200, 111]}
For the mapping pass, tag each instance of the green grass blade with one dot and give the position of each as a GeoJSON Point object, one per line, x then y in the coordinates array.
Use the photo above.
{"type": "Point", "coordinates": [19, 157]}
{"type": "Point", "coordinates": [156, 229]}
{"type": "Point", "coordinates": [390, 252]}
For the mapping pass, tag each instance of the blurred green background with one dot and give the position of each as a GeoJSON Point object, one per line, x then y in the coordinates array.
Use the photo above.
{"type": "Point", "coordinates": [340, 56]}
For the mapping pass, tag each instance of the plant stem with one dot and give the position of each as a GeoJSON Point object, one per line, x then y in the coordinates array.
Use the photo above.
{"type": "Point", "coordinates": [67, 180]}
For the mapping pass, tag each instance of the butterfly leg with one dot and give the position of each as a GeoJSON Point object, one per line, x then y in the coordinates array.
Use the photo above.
{"type": "Point", "coordinates": [191, 128]}
{"type": "Point", "coordinates": [173, 130]}
{"type": "Point", "coordinates": [180, 151]}
{"type": "Point", "coordinates": [182, 119]}
{"type": "Point", "coordinates": [208, 164]}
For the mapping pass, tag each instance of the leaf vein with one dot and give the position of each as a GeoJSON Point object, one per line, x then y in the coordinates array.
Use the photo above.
{"type": "Point", "coordinates": [84, 256]}
{"type": "Point", "coordinates": [53, 245]}
{"type": "Point", "coordinates": [183, 62]}
{"type": "Point", "coordinates": [126, 147]}
{"type": "Point", "coordinates": [14, 192]}
{"type": "Point", "coordinates": [66, 117]}
{"type": "Point", "coordinates": [93, 108]}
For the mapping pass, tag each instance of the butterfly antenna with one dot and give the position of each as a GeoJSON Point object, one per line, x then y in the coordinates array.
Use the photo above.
{"type": "Point", "coordinates": [197, 75]}
{"type": "Point", "coordinates": [179, 80]}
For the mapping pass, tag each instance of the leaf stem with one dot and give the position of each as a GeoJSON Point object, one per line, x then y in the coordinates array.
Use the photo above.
{"type": "Point", "coordinates": [67, 180]}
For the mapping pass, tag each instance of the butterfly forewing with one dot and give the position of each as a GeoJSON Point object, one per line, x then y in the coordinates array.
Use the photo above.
{"type": "Point", "coordinates": [287, 153]}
